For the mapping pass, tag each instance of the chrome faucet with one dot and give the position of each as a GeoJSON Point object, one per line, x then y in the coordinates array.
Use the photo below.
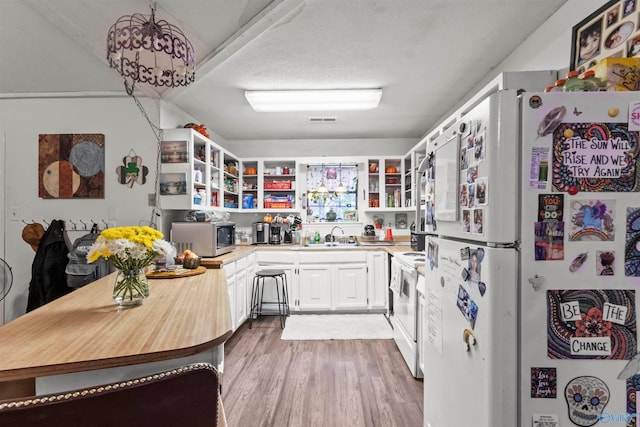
{"type": "Point", "coordinates": [334, 228]}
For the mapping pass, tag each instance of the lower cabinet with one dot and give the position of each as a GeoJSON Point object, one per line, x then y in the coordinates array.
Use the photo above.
{"type": "Point", "coordinates": [242, 288]}
{"type": "Point", "coordinates": [350, 286]}
{"type": "Point", "coordinates": [317, 281]}
{"type": "Point", "coordinates": [314, 290]}
{"type": "Point", "coordinates": [378, 279]}
{"type": "Point", "coordinates": [332, 280]}
{"type": "Point", "coordinates": [230, 270]}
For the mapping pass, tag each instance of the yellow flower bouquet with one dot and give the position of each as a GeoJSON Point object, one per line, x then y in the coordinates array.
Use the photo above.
{"type": "Point", "coordinates": [130, 250]}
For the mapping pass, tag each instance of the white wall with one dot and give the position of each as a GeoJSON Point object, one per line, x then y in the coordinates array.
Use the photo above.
{"type": "Point", "coordinates": [124, 127]}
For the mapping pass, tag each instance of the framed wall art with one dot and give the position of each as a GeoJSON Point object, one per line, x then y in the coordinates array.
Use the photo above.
{"type": "Point", "coordinates": [71, 166]}
{"type": "Point", "coordinates": [613, 31]}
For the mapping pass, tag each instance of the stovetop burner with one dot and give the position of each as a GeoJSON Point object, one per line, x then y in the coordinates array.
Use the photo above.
{"type": "Point", "coordinates": [413, 259]}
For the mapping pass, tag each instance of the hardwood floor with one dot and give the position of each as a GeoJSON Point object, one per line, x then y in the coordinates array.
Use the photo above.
{"type": "Point", "coordinates": [271, 382]}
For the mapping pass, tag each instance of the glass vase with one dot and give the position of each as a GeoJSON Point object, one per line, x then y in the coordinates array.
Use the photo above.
{"type": "Point", "coordinates": [131, 287]}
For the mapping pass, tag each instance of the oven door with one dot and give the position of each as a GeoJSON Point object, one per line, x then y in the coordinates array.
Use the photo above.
{"type": "Point", "coordinates": [405, 301]}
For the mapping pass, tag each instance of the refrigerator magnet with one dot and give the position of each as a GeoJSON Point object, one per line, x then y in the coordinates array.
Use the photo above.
{"type": "Point", "coordinates": [482, 288]}
{"type": "Point", "coordinates": [467, 306]}
{"type": "Point", "coordinates": [465, 274]}
{"type": "Point", "coordinates": [578, 261]}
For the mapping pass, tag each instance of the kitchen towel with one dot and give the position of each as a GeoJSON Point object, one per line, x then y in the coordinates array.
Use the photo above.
{"type": "Point", "coordinates": [337, 327]}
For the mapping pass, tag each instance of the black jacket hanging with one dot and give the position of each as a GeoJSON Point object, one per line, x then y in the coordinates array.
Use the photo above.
{"type": "Point", "coordinates": [48, 277]}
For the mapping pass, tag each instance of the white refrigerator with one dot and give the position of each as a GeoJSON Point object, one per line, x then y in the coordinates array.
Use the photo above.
{"type": "Point", "coordinates": [530, 314]}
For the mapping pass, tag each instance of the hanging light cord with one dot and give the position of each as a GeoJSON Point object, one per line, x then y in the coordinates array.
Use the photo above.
{"type": "Point", "coordinates": [156, 210]}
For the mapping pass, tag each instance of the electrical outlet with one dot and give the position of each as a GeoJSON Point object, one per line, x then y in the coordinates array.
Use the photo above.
{"type": "Point", "coordinates": [13, 214]}
{"type": "Point", "coordinates": [151, 199]}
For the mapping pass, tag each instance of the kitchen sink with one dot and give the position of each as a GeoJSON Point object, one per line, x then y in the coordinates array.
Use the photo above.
{"type": "Point", "coordinates": [326, 245]}
{"type": "Point", "coordinates": [376, 243]}
{"type": "Point", "coordinates": [338, 244]}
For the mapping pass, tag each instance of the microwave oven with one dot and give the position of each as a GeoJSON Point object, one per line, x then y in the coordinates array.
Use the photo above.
{"type": "Point", "coordinates": [207, 239]}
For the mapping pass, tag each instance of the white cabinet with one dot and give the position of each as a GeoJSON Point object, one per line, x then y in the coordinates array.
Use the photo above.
{"type": "Point", "coordinates": [241, 298]}
{"type": "Point", "coordinates": [332, 280]}
{"type": "Point", "coordinates": [239, 275]}
{"type": "Point", "coordinates": [328, 280]}
{"type": "Point", "coordinates": [189, 171]}
{"type": "Point", "coordinates": [231, 182]}
{"type": "Point", "coordinates": [230, 270]}
{"type": "Point", "coordinates": [314, 287]}
{"type": "Point", "coordinates": [378, 279]}
{"type": "Point", "coordinates": [350, 286]}
{"type": "Point", "coordinates": [251, 272]}
{"type": "Point", "coordinates": [268, 186]}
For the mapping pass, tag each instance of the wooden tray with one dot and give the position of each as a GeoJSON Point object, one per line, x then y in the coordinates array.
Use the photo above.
{"type": "Point", "coordinates": [180, 272]}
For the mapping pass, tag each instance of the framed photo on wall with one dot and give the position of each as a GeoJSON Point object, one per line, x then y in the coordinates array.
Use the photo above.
{"type": "Point", "coordinates": [613, 31]}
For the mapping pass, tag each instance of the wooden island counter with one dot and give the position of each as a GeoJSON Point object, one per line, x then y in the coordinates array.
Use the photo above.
{"type": "Point", "coordinates": [183, 320]}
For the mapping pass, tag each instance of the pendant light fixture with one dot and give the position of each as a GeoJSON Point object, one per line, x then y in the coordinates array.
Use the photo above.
{"type": "Point", "coordinates": [152, 52]}
{"type": "Point", "coordinates": [341, 189]}
{"type": "Point", "coordinates": [323, 188]}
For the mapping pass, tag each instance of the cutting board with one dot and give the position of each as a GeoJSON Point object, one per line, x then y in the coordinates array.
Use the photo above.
{"type": "Point", "coordinates": [180, 272]}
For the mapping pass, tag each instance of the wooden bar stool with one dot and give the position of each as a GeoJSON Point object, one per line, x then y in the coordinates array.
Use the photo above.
{"type": "Point", "coordinates": [282, 287]}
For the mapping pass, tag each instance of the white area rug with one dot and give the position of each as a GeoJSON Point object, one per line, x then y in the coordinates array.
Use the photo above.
{"type": "Point", "coordinates": [337, 327]}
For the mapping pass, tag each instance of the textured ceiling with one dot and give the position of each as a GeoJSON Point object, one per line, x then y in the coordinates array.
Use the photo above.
{"type": "Point", "coordinates": [424, 54]}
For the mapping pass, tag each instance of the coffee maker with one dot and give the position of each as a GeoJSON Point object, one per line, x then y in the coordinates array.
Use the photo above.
{"type": "Point", "coordinates": [275, 237]}
{"type": "Point", "coordinates": [260, 233]}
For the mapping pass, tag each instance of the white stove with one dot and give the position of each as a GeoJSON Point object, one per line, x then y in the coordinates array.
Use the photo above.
{"type": "Point", "coordinates": [412, 259]}
{"type": "Point", "coordinates": [404, 319]}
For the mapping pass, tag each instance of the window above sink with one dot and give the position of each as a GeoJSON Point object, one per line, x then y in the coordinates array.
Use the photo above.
{"type": "Point", "coordinates": [332, 191]}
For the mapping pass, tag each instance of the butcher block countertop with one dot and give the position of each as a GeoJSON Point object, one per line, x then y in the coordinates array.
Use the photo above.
{"type": "Point", "coordinates": [85, 330]}
{"type": "Point", "coordinates": [243, 250]}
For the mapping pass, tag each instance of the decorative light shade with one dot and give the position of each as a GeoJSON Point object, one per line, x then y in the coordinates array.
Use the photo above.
{"type": "Point", "coordinates": [144, 50]}
{"type": "Point", "coordinates": [313, 100]}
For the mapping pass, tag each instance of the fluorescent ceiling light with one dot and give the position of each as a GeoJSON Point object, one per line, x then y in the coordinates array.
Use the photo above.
{"type": "Point", "coordinates": [313, 100]}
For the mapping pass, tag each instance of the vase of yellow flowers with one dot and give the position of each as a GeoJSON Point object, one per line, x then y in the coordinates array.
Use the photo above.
{"type": "Point", "coordinates": [130, 250]}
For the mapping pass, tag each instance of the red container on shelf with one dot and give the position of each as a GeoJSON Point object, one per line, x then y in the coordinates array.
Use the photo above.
{"type": "Point", "coordinates": [277, 185]}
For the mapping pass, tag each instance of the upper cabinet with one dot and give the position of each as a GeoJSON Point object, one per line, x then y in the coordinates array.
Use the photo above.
{"type": "Point", "coordinates": [231, 182]}
{"type": "Point", "coordinates": [389, 183]}
{"type": "Point", "coordinates": [279, 185]}
{"type": "Point", "coordinates": [189, 173]}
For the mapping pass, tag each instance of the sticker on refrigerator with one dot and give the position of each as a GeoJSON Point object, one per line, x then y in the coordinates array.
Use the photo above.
{"type": "Point", "coordinates": [543, 383]}
{"type": "Point", "coordinates": [478, 147]}
{"type": "Point", "coordinates": [586, 399]}
{"type": "Point", "coordinates": [550, 207]}
{"type": "Point", "coordinates": [545, 420]}
{"type": "Point", "coordinates": [539, 168]}
{"type": "Point", "coordinates": [595, 157]}
{"type": "Point", "coordinates": [466, 220]}
{"type": "Point", "coordinates": [467, 306]}
{"type": "Point", "coordinates": [475, 262]}
{"type": "Point", "coordinates": [591, 324]}
{"type": "Point", "coordinates": [478, 221]}
{"type": "Point", "coordinates": [549, 240]}
{"type": "Point", "coordinates": [481, 191]}
{"type": "Point", "coordinates": [605, 261]}
{"type": "Point", "coordinates": [592, 220]}
{"type": "Point", "coordinates": [633, 393]}
{"type": "Point", "coordinates": [432, 254]}
{"type": "Point", "coordinates": [632, 243]}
